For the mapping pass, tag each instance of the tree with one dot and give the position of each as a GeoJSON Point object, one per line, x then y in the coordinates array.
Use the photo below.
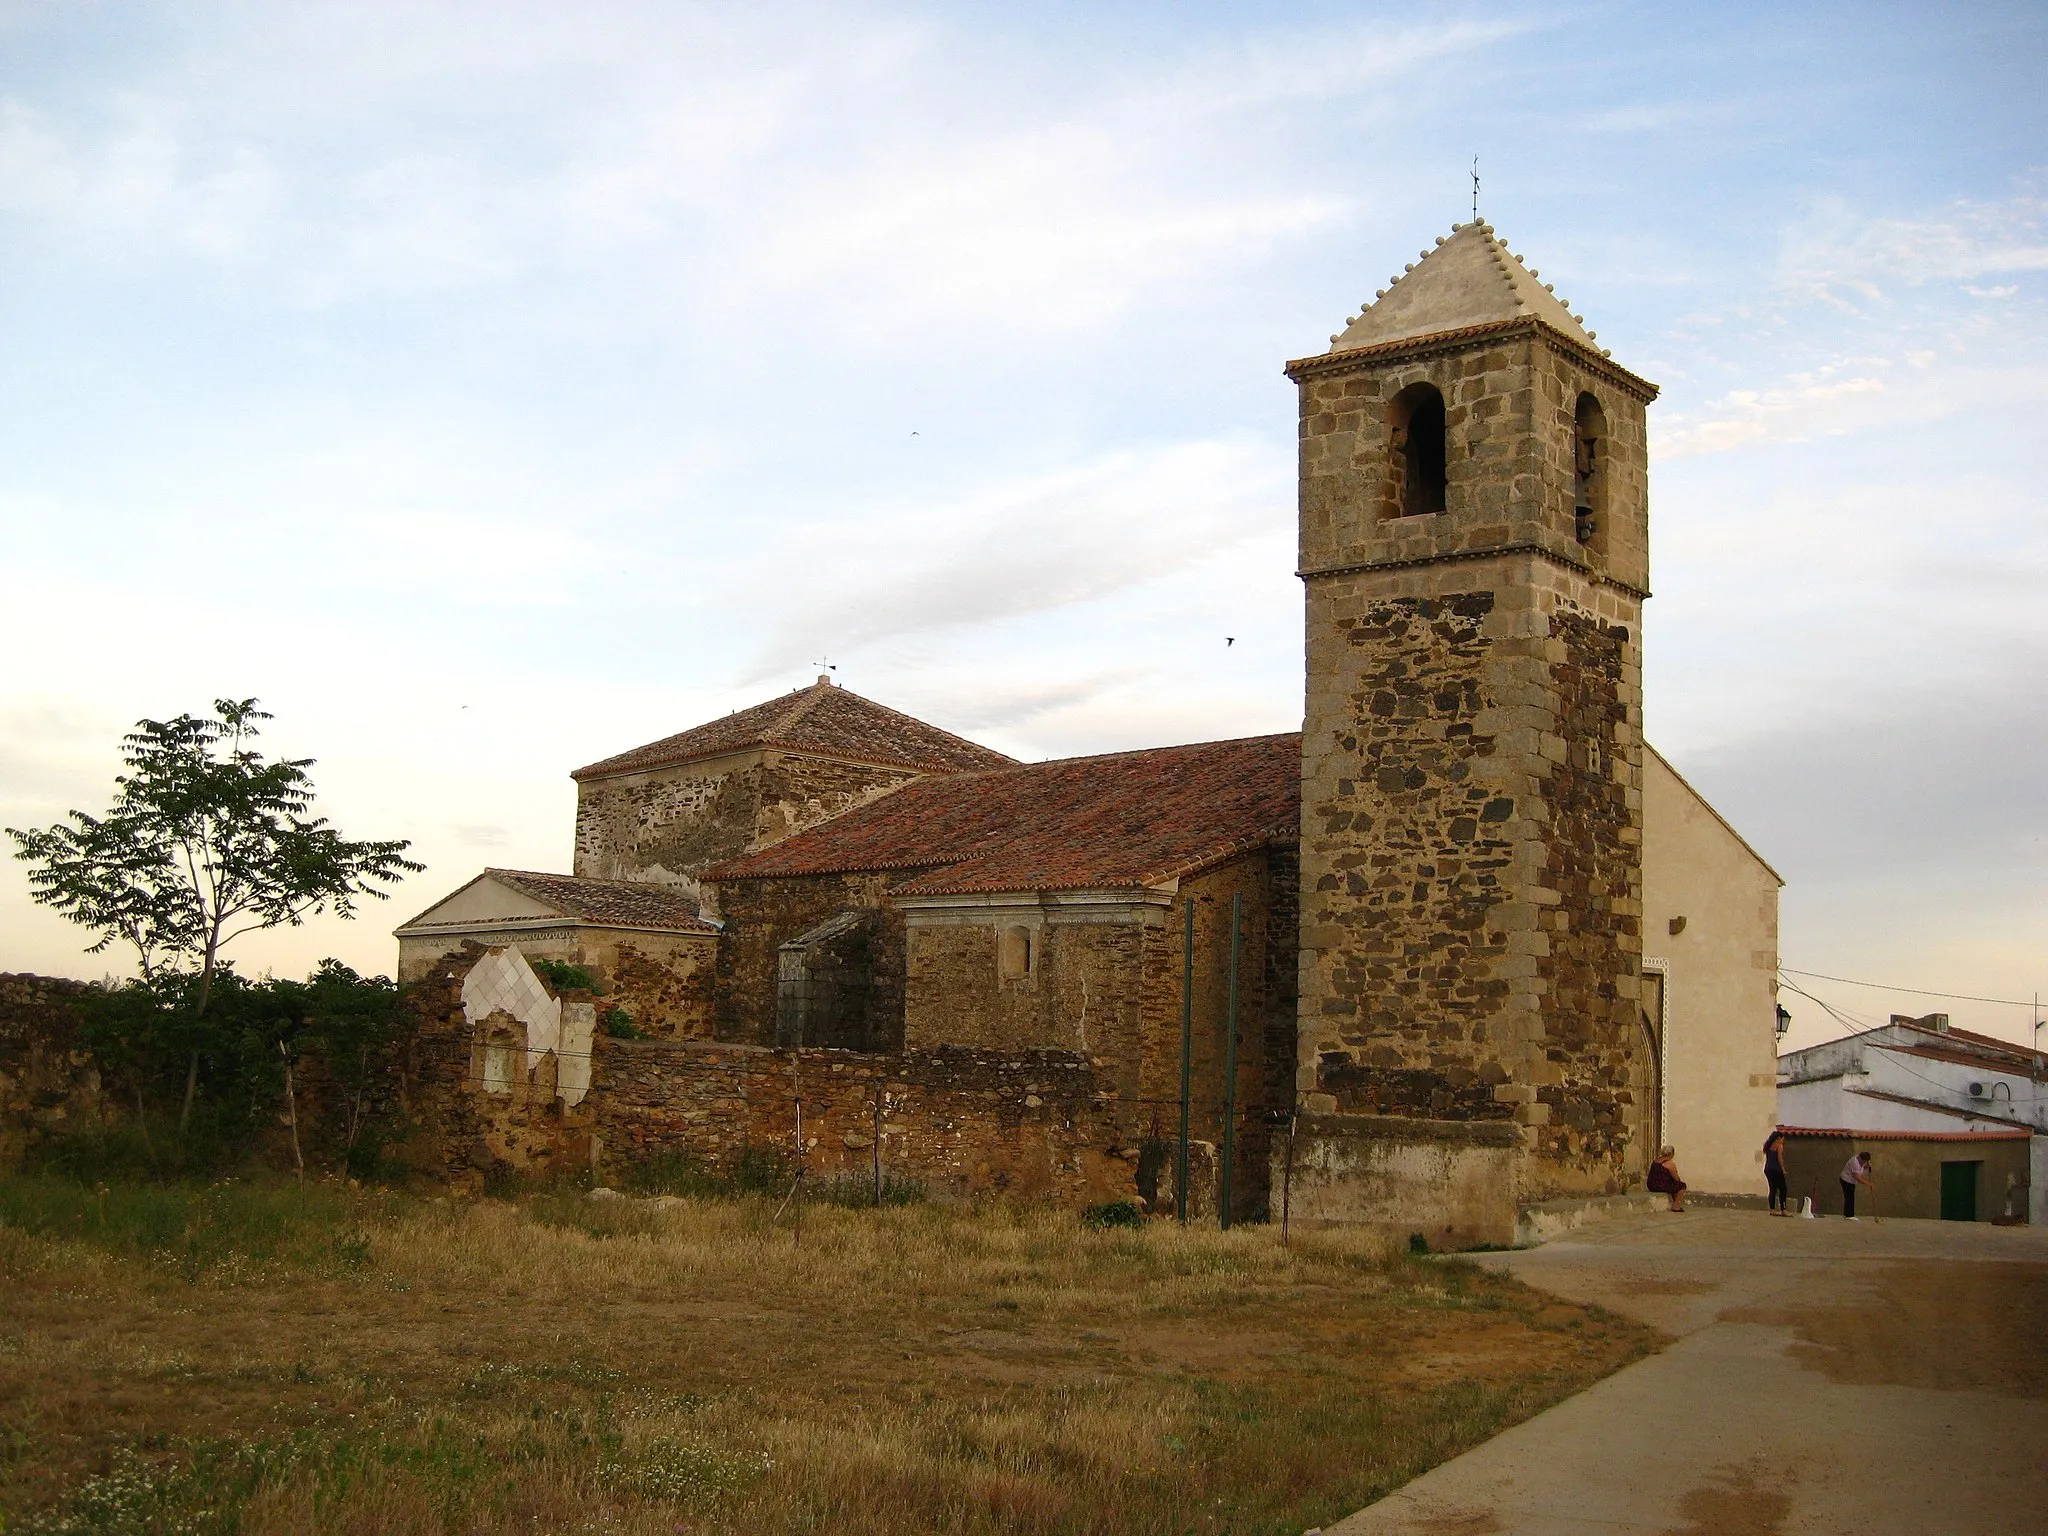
{"type": "Point", "coordinates": [206, 841]}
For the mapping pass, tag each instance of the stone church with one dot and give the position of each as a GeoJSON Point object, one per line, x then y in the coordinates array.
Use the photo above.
{"type": "Point", "coordinates": [1463, 946]}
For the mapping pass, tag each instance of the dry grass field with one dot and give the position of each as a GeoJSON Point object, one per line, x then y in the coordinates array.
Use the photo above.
{"type": "Point", "coordinates": [238, 1358]}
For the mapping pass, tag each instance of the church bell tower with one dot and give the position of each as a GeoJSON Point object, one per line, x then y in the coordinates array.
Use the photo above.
{"type": "Point", "coordinates": [1475, 551]}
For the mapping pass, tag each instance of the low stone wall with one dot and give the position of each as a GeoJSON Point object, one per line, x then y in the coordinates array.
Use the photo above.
{"type": "Point", "coordinates": [1033, 1123]}
{"type": "Point", "coordinates": [1453, 1181]}
{"type": "Point", "coordinates": [49, 1083]}
{"type": "Point", "coordinates": [960, 1121]}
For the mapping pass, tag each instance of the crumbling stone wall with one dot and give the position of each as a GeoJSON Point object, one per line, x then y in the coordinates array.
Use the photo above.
{"type": "Point", "coordinates": [663, 980]}
{"type": "Point", "coordinates": [1036, 1123]}
{"type": "Point", "coordinates": [1081, 992]}
{"type": "Point", "coordinates": [760, 916]}
{"type": "Point", "coordinates": [664, 983]}
{"type": "Point", "coordinates": [1265, 881]}
{"type": "Point", "coordinates": [669, 824]}
{"type": "Point", "coordinates": [49, 1082]}
{"type": "Point", "coordinates": [1031, 1123]}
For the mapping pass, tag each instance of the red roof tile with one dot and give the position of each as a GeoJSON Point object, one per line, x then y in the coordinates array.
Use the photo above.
{"type": "Point", "coordinates": [626, 903]}
{"type": "Point", "coordinates": [2013, 1061]}
{"type": "Point", "coordinates": [1081, 823]}
{"type": "Point", "coordinates": [1958, 1136]}
{"type": "Point", "coordinates": [2012, 1047]}
{"type": "Point", "coordinates": [821, 718]}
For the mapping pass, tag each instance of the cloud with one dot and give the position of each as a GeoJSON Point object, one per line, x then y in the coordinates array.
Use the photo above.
{"type": "Point", "coordinates": [849, 172]}
{"type": "Point", "coordinates": [137, 177]}
{"type": "Point", "coordinates": [1800, 408]}
{"type": "Point", "coordinates": [1009, 550]}
{"type": "Point", "coordinates": [1842, 258]}
{"type": "Point", "coordinates": [1865, 324]}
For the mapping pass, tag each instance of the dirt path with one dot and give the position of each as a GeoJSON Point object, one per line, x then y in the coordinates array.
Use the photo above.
{"type": "Point", "coordinates": [1857, 1380]}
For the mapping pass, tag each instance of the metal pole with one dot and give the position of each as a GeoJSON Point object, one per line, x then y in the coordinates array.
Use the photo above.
{"type": "Point", "coordinates": [1230, 1063]}
{"type": "Point", "coordinates": [1287, 1179]}
{"type": "Point", "coordinates": [1187, 1048]}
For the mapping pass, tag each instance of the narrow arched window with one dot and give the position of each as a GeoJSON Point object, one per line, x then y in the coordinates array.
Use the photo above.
{"type": "Point", "coordinates": [1013, 953]}
{"type": "Point", "coordinates": [1589, 471]}
{"type": "Point", "coordinates": [1415, 452]}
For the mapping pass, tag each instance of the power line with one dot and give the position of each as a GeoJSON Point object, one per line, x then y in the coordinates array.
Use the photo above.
{"type": "Point", "coordinates": [1855, 1029]}
{"type": "Point", "coordinates": [1956, 997]}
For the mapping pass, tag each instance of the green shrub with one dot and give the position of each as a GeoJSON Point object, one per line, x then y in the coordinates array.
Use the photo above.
{"type": "Point", "coordinates": [759, 1171]}
{"type": "Point", "coordinates": [563, 976]}
{"type": "Point", "coordinates": [854, 1190]}
{"type": "Point", "coordinates": [619, 1025]}
{"type": "Point", "coordinates": [1113, 1213]}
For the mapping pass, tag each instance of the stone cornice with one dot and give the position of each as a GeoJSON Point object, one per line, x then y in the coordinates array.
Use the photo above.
{"type": "Point", "coordinates": [1468, 338]}
{"type": "Point", "coordinates": [1353, 567]}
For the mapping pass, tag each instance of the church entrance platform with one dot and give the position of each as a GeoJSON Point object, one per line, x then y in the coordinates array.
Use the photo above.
{"type": "Point", "coordinates": [1825, 1377]}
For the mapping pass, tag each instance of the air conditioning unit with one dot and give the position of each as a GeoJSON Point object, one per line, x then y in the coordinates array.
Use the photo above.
{"type": "Point", "coordinates": [1976, 1090]}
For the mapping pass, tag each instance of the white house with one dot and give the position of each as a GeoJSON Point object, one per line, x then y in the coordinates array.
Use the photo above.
{"type": "Point", "coordinates": [1922, 1075]}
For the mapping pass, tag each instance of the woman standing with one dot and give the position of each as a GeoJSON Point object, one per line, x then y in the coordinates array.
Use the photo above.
{"type": "Point", "coordinates": [1774, 1173]}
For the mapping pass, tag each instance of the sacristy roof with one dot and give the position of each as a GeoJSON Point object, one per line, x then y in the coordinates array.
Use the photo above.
{"type": "Point", "coordinates": [831, 721]}
{"type": "Point", "coordinates": [483, 903]}
{"type": "Point", "coordinates": [1470, 279]}
{"type": "Point", "coordinates": [1121, 821]}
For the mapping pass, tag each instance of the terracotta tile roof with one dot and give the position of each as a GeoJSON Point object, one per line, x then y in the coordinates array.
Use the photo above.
{"type": "Point", "coordinates": [1971, 1037]}
{"type": "Point", "coordinates": [627, 903]}
{"type": "Point", "coordinates": [1081, 823]}
{"type": "Point", "coordinates": [823, 719]}
{"type": "Point", "coordinates": [2012, 1061]}
{"type": "Point", "coordinates": [1848, 1135]}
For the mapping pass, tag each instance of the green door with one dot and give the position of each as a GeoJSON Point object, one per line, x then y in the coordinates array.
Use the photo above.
{"type": "Point", "coordinates": [1959, 1191]}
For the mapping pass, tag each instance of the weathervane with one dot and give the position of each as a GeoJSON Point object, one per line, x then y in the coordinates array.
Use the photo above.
{"type": "Point", "coordinates": [1475, 189]}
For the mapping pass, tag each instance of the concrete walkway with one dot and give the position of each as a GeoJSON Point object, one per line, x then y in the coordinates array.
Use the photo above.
{"type": "Point", "coordinates": [1855, 1379]}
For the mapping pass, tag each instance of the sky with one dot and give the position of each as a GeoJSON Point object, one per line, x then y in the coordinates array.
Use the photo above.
{"type": "Point", "coordinates": [489, 388]}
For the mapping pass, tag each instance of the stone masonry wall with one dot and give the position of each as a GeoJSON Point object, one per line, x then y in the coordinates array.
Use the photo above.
{"type": "Point", "coordinates": [1030, 1123]}
{"type": "Point", "coordinates": [798, 792]}
{"type": "Point", "coordinates": [1471, 849]}
{"type": "Point", "coordinates": [1472, 810]}
{"type": "Point", "coordinates": [1081, 994]}
{"type": "Point", "coordinates": [669, 824]}
{"type": "Point", "coordinates": [1033, 1123]}
{"type": "Point", "coordinates": [1510, 408]}
{"type": "Point", "coordinates": [1594, 1035]}
{"type": "Point", "coordinates": [761, 916]}
{"type": "Point", "coordinates": [1266, 881]}
{"type": "Point", "coordinates": [49, 1083]}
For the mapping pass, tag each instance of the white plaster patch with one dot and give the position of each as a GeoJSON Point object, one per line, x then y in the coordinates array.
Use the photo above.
{"type": "Point", "coordinates": [503, 982]}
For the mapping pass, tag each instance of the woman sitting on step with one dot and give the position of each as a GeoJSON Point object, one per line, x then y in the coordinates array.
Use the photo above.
{"type": "Point", "coordinates": [1664, 1179]}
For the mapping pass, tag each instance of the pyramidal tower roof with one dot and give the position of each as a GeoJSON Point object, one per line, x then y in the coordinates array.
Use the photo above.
{"type": "Point", "coordinates": [1470, 278]}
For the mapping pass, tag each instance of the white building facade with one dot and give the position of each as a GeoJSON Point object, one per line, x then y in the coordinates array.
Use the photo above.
{"type": "Point", "coordinates": [1922, 1075]}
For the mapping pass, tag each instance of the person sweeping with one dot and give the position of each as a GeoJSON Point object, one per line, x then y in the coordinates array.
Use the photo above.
{"type": "Point", "coordinates": [1855, 1172]}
